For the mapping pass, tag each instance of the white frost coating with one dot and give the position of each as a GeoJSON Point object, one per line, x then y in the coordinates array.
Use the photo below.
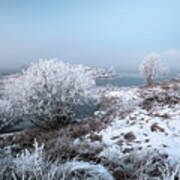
{"type": "Point", "coordinates": [112, 71]}
{"type": "Point", "coordinates": [30, 162]}
{"type": "Point", "coordinates": [33, 164]}
{"type": "Point", "coordinates": [91, 171]}
{"type": "Point", "coordinates": [125, 94]}
{"type": "Point", "coordinates": [150, 68]}
{"type": "Point", "coordinates": [6, 115]}
{"type": "Point", "coordinates": [48, 91]}
{"type": "Point", "coordinates": [98, 72]}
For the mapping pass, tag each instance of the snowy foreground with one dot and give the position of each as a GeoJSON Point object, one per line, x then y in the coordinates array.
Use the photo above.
{"type": "Point", "coordinates": [135, 134]}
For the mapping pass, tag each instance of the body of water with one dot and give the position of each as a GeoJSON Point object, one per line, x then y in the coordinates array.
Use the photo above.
{"type": "Point", "coordinates": [122, 79]}
{"type": "Point", "coordinates": [129, 79]}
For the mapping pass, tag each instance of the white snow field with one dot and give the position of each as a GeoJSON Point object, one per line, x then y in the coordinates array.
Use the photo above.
{"type": "Point", "coordinates": [141, 130]}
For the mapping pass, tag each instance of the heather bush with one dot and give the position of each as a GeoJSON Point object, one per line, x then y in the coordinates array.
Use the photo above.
{"type": "Point", "coordinates": [79, 170]}
{"type": "Point", "coordinates": [47, 92]}
{"type": "Point", "coordinates": [34, 164]}
{"type": "Point", "coordinates": [167, 97]}
{"type": "Point", "coordinates": [146, 165]}
{"type": "Point", "coordinates": [152, 166]}
{"type": "Point", "coordinates": [27, 163]}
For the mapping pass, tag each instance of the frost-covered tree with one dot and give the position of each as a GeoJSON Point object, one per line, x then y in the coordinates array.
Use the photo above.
{"type": "Point", "coordinates": [47, 92]}
{"type": "Point", "coordinates": [150, 68]}
{"type": "Point", "coordinates": [112, 71]}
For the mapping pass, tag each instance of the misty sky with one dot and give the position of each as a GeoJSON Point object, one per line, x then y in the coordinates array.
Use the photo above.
{"type": "Point", "coordinates": [92, 32]}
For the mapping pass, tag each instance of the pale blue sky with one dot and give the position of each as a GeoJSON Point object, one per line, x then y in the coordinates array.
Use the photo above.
{"type": "Point", "coordinates": [94, 32]}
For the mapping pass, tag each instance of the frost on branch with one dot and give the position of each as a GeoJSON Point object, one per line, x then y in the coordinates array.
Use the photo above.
{"type": "Point", "coordinates": [34, 165]}
{"type": "Point", "coordinates": [27, 162]}
{"type": "Point", "coordinates": [84, 170]}
{"type": "Point", "coordinates": [112, 71]}
{"type": "Point", "coordinates": [6, 115]}
{"type": "Point", "coordinates": [48, 92]}
{"type": "Point", "coordinates": [98, 72]}
{"type": "Point", "coordinates": [150, 68]}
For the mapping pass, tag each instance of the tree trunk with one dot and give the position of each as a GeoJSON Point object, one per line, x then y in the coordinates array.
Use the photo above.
{"type": "Point", "coordinates": [149, 81]}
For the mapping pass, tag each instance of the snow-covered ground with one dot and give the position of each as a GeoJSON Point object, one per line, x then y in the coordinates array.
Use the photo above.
{"type": "Point", "coordinates": [139, 122]}
{"type": "Point", "coordinates": [141, 130]}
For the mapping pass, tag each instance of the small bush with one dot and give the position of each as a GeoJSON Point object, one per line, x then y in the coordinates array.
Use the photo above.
{"type": "Point", "coordinates": [82, 170]}
{"type": "Point", "coordinates": [34, 164]}
{"type": "Point", "coordinates": [27, 163]}
{"type": "Point", "coordinates": [147, 165]}
{"type": "Point", "coordinates": [150, 68]}
{"type": "Point", "coordinates": [6, 113]}
{"type": "Point", "coordinates": [168, 97]}
{"type": "Point", "coordinates": [48, 92]}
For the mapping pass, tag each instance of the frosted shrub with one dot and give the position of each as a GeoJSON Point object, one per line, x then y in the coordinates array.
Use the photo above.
{"type": "Point", "coordinates": [6, 113]}
{"type": "Point", "coordinates": [48, 91]}
{"type": "Point", "coordinates": [112, 71]}
{"type": "Point", "coordinates": [30, 163]}
{"type": "Point", "coordinates": [79, 170]}
{"type": "Point", "coordinates": [30, 166]}
{"type": "Point", "coordinates": [153, 166]}
{"type": "Point", "coordinates": [150, 68]}
{"type": "Point", "coordinates": [146, 165]}
{"type": "Point", "coordinates": [98, 72]}
{"type": "Point", "coordinates": [168, 97]}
